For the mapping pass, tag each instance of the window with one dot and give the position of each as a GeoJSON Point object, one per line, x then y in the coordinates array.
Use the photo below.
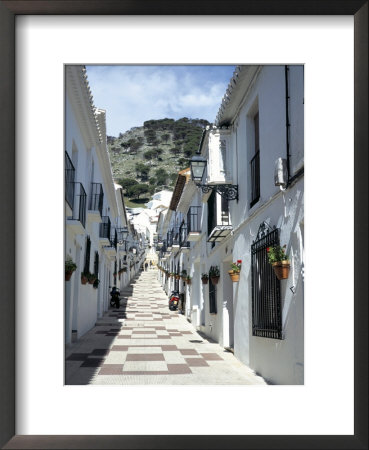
{"type": "Point", "coordinates": [87, 255]}
{"type": "Point", "coordinates": [212, 298]}
{"type": "Point", "coordinates": [266, 296]}
{"type": "Point", "coordinates": [255, 164]}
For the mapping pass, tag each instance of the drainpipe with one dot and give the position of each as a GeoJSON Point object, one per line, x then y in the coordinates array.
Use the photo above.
{"type": "Point", "coordinates": [287, 123]}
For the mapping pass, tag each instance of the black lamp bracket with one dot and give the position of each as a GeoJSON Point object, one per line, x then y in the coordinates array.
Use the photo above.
{"type": "Point", "coordinates": [228, 191]}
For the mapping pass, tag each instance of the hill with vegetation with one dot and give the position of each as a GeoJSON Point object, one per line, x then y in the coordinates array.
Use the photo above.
{"type": "Point", "coordinates": [147, 159]}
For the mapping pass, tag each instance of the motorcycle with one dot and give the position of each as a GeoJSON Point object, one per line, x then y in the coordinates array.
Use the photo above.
{"type": "Point", "coordinates": [173, 301]}
{"type": "Point", "coordinates": [114, 297]}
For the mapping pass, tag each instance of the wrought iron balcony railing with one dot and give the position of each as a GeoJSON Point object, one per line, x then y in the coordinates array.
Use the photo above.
{"type": "Point", "coordinates": [114, 239]}
{"type": "Point", "coordinates": [105, 227]}
{"type": "Point", "coordinates": [78, 204]}
{"type": "Point", "coordinates": [183, 242]}
{"type": "Point", "coordinates": [194, 219]}
{"type": "Point", "coordinates": [69, 180]}
{"type": "Point", "coordinates": [96, 198]}
{"type": "Point", "coordinates": [170, 239]}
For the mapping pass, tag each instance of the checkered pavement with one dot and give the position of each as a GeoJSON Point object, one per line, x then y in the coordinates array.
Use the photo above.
{"type": "Point", "coordinates": [143, 342]}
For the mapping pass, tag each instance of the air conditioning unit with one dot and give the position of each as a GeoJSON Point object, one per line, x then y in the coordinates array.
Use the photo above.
{"type": "Point", "coordinates": [280, 173]}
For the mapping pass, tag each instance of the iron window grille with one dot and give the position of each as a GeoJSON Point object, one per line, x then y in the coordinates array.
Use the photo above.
{"type": "Point", "coordinates": [105, 226]}
{"type": "Point", "coordinates": [212, 298]}
{"type": "Point", "coordinates": [194, 219]}
{"type": "Point", "coordinates": [266, 293]}
{"type": "Point", "coordinates": [96, 198]}
{"type": "Point", "coordinates": [79, 203]}
{"type": "Point", "coordinates": [70, 173]}
{"type": "Point", "coordinates": [87, 255]}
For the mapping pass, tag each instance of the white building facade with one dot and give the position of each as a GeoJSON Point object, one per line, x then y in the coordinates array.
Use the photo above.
{"type": "Point", "coordinates": [256, 151]}
{"type": "Point", "coordinates": [94, 211]}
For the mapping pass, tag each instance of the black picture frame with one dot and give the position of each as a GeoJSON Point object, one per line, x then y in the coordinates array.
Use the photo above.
{"type": "Point", "coordinates": [8, 11]}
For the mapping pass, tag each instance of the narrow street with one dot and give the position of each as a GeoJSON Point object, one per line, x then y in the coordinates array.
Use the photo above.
{"type": "Point", "coordinates": [145, 343]}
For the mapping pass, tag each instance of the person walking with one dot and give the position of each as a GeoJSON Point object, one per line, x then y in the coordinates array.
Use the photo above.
{"type": "Point", "coordinates": [146, 266]}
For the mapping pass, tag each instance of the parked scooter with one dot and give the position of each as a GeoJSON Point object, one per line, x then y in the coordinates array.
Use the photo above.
{"type": "Point", "coordinates": [114, 297]}
{"type": "Point", "coordinates": [173, 300]}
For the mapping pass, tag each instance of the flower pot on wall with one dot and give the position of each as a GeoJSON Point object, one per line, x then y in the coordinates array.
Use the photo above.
{"type": "Point", "coordinates": [84, 279]}
{"type": "Point", "coordinates": [214, 280]}
{"type": "Point", "coordinates": [235, 276]}
{"type": "Point", "coordinates": [204, 280]}
{"type": "Point", "coordinates": [68, 275]}
{"type": "Point", "coordinates": [281, 269]}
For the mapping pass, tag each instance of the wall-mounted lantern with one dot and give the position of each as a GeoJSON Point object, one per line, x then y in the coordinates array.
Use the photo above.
{"type": "Point", "coordinates": [198, 166]}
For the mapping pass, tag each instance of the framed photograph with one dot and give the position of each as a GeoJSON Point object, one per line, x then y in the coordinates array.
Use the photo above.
{"type": "Point", "coordinates": [37, 41]}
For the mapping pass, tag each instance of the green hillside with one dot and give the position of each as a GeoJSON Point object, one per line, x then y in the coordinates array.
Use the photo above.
{"type": "Point", "coordinates": [147, 159]}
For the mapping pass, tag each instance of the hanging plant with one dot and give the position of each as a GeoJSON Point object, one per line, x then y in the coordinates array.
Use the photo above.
{"type": "Point", "coordinates": [188, 279]}
{"type": "Point", "coordinates": [234, 273]}
{"type": "Point", "coordinates": [84, 277]}
{"type": "Point", "coordinates": [278, 259]}
{"type": "Point", "coordinates": [91, 278]}
{"type": "Point", "coordinates": [70, 267]}
{"type": "Point", "coordinates": [214, 274]}
{"type": "Point", "coordinates": [204, 278]}
{"type": "Point", "coordinates": [96, 283]}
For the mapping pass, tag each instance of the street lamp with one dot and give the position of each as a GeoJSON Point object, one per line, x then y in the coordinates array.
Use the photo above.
{"type": "Point", "coordinates": [122, 234]}
{"type": "Point", "coordinates": [198, 166]}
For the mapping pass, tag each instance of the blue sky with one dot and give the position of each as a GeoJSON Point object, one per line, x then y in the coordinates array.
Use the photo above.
{"type": "Point", "coordinates": [133, 94]}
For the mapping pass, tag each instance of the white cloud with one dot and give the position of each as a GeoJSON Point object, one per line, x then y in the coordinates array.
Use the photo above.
{"type": "Point", "coordinates": [133, 94]}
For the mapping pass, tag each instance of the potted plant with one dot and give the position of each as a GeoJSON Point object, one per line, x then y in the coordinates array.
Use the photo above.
{"type": "Point", "coordinates": [204, 278]}
{"type": "Point", "coordinates": [234, 273]}
{"type": "Point", "coordinates": [84, 277]}
{"type": "Point", "coordinates": [91, 278]}
{"type": "Point", "coordinates": [96, 283]}
{"type": "Point", "coordinates": [70, 267]}
{"type": "Point", "coordinates": [188, 279]}
{"type": "Point", "coordinates": [177, 276]}
{"type": "Point", "coordinates": [214, 274]}
{"type": "Point", "coordinates": [278, 259]}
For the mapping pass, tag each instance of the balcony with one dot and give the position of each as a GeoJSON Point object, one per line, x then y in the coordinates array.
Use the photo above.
{"type": "Point", "coordinates": [169, 241]}
{"type": "Point", "coordinates": [104, 231]}
{"type": "Point", "coordinates": [95, 205]}
{"type": "Point", "coordinates": [76, 220]}
{"type": "Point", "coordinates": [175, 245]}
{"type": "Point", "coordinates": [220, 225]}
{"type": "Point", "coordinates": [194, 223]}
{"type": "Point", "coordinates": [183, 242]}
{"type": "Point", "coordinates": [69, 183]}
